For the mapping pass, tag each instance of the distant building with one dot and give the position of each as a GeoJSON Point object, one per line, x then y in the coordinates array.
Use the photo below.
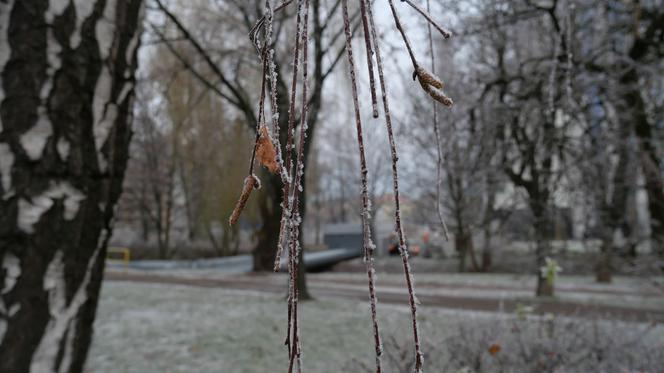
{"type": "Point", "coordinates": [343, 236]}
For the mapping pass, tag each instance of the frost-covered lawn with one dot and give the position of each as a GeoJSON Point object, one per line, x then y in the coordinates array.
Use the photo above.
{"type": "Point", "coordinates": [166, 328]}
{"type": "Point", "coordinates": [162, 328]}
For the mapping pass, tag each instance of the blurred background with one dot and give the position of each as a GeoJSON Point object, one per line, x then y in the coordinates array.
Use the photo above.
{"type": "Point", "coordinates": [548, 172]}
{"type": "Point", "coordinates": [552, 165]}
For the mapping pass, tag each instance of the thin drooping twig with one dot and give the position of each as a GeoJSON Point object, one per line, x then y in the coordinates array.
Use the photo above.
{"type": "Point", "coordinates": [285, 209]}
{"type": "Point", "coordinates": [552, 77]}
{"type": "Point", "coordinates": [436, 130]}
{"type": "Point", "coordinates": [369, 50]}
{"type": "Point", "coordinates": [368, 244]}
{"type": "Point", "coordinates": [264, 145]}
{"type": "Point", "coordinates": [427, 15]}
{"type": "Point", "coordinates": [274, 107]}
{"type": "Point", "coordinates": [253, 33]}
{"type": "Point", "coordinates": [252, 181]}
{"type": "Point", "coordinates": [403, 250]}
{"type": "Point", "coordinates": [286, 216]}
{"type": "Point", "coordinates": [429, 82]}
{"type": "Point", "coordinates": [406, 41]}
{"type": "Point", "coordinates": [290, 220]}
{"type": "Point", "coordinates": [292, 173]}
{"type": "Point", "coordinates": [295, 355]}
{"type": "Point", "coordinates": [568, 43]}
{"type": "Point", "coordinates": [261, 115]}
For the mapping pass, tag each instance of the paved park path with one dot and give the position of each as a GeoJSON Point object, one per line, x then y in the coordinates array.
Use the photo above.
{"type": "Point", "coordinates": [394, 293]}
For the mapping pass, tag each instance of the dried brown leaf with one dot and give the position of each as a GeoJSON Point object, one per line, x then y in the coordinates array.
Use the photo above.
{"type": "Point", "coordinates": [266, 153]}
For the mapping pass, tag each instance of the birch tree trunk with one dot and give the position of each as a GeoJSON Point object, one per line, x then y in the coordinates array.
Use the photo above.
{"type": "Point", "coordinates": [66, 87]}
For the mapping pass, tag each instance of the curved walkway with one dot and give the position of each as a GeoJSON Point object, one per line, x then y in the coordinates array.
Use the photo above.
{"type": "Point", "coordinates": [349, 289]}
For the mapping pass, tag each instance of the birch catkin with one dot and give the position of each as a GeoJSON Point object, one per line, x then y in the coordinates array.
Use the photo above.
{"type": "Point", "coordinates": [432, 85]}
{"type": "Point", "coordinates": [251, 182]}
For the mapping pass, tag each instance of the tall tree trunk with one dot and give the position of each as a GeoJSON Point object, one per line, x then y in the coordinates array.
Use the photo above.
{"type": "Point", "coordinates": [645, 43]}
{"type": "Point", "coordinates": [67, 77]}
{"type": "Point", "coordinates": [604, 271]}
{"type": "Point", "coordinates": [461, 251]}
{"type": "Point", "coordinates": [542, 249]}
{"type": "Point", "coordinates": [613, 218]}
{"type": "Point", "coordinates": [216, 246]}
{"type": "Point", "coordinates": [489, 214]}
{"type": "Point", "coordinates": [651, 163]}
{"type": "Point", "coordinates": [464, 244]}
{"type": "Point", "coordinates": [471, 252]}
{"type": "Point", "coordinates": [486, 250]}
{"type": "Point", "coordinates": [270, 211]}
{"type": "Point", "coordinates": [144, 214]}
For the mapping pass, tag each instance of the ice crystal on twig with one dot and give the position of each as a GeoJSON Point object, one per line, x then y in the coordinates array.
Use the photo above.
{"type": "Point", "coordinates": [426, 14]}
{"type": "Point", "coordinates": [290, 164]}
{"type": "Point", "coordinates": [296, 186]}
{"type": "Point", "coordinates": [436, 130]}
{"type": "Point", "coordinates": [366, 229]}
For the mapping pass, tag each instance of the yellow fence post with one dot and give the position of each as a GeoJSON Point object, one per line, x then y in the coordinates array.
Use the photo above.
{"type": "Point", "coordinates": [125, 252]}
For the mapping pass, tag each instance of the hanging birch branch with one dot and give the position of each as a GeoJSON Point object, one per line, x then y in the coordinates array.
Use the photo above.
{"type": "Point", "coordinates": [290, 165]}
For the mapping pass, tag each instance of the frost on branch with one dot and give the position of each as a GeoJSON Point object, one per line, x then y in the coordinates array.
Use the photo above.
{"type": "Point", "coordinates": [366, 209]}
{"type": "Point", "coordinates": [291, 165]}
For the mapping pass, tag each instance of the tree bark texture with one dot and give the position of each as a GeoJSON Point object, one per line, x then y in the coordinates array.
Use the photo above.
{"type": "Point", "coordinates": [66, 88]}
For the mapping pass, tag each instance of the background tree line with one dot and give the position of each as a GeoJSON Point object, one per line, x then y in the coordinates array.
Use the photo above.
{"type": "Point", "coordinates": [557, 122]}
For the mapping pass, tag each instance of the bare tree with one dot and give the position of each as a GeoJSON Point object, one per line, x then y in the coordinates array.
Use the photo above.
{"type": "Point", "coordinates": [326, 53]}
{"type": "Point", "coordinates": [521, 95]}
{"type": "Point", "coordinates": [644, 53]}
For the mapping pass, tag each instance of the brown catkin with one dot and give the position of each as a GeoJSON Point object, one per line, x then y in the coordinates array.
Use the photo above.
{"type": "Point", "coordinates": [428, 78]}
{"type": "Point", "coordinates": [251, 182]}
{"type": "Point", "coordinates": [438, 95]}
{"type": "Point", "coordinates": [432, 85]}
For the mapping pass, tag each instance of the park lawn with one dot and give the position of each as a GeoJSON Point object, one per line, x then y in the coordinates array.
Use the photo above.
{"type": "Point", "coordinates": [165, 328]}
{"type": "Point", "coordinates": [170, 328]}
